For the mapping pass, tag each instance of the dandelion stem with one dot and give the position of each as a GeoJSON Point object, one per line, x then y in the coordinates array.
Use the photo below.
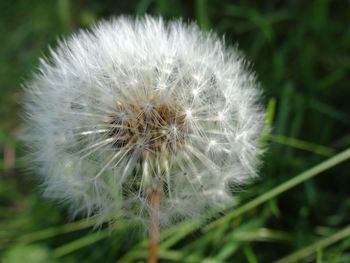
{"type": "Point", "coordinates": [154, 232]}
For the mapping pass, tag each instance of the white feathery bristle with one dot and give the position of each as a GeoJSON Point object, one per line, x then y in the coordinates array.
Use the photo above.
{"type": "Point", "coordinates": [134, 103]}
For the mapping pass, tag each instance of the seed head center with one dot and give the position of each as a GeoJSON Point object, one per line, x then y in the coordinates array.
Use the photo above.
{"type": "Point", "coordinates": [153, 126]}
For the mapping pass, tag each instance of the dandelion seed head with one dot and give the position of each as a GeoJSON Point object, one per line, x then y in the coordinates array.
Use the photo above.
{"type": "Point", "coordinates": [134, 103]}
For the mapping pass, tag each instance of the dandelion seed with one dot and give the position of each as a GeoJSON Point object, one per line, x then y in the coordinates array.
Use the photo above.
{"type": "Point", "coordinates": [136, 106]}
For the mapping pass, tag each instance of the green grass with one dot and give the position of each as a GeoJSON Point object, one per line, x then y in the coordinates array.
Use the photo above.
{"type": "Point", "coordinates": [298, 211]}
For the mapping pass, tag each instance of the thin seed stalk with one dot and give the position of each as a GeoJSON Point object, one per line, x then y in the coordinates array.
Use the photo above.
{"type": "Point", "coordinates": [154, 221]}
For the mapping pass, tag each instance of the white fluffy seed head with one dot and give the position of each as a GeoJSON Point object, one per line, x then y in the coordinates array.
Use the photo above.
{"type": "Point", "coordinates": [135, 103]}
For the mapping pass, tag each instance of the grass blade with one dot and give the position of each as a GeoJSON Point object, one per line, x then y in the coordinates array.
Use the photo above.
{"type": "Point", "coordinates": [341, 157]}
{"type": "Point", "coordinates": [309, 250]}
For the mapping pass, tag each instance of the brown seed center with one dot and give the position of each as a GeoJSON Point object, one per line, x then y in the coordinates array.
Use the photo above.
{"type": "Point", "coordinates": [152, 126]}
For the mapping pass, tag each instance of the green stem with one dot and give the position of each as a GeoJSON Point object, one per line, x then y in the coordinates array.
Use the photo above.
{"type": "Point", "coordinates": [80, 243]}
{"type": "Point", "coordinates": [302, 145]}
{"type": "Point", "coordinates": [302, 253]}
{"type": "Point", "coordinates": [341, 157]}
{"type": "Point", "coordinates": [54, 231]}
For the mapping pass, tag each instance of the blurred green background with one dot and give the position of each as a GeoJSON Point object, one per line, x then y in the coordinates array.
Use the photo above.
{"type": "Point", "coordinates": [301, 53]}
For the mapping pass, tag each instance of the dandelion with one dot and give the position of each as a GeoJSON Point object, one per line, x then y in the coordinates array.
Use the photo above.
{"type": "Point", "coordinates": [156, 119]}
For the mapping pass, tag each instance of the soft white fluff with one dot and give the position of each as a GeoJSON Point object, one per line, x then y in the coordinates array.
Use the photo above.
{"type": "Point", "coordinates": [70, 100]}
